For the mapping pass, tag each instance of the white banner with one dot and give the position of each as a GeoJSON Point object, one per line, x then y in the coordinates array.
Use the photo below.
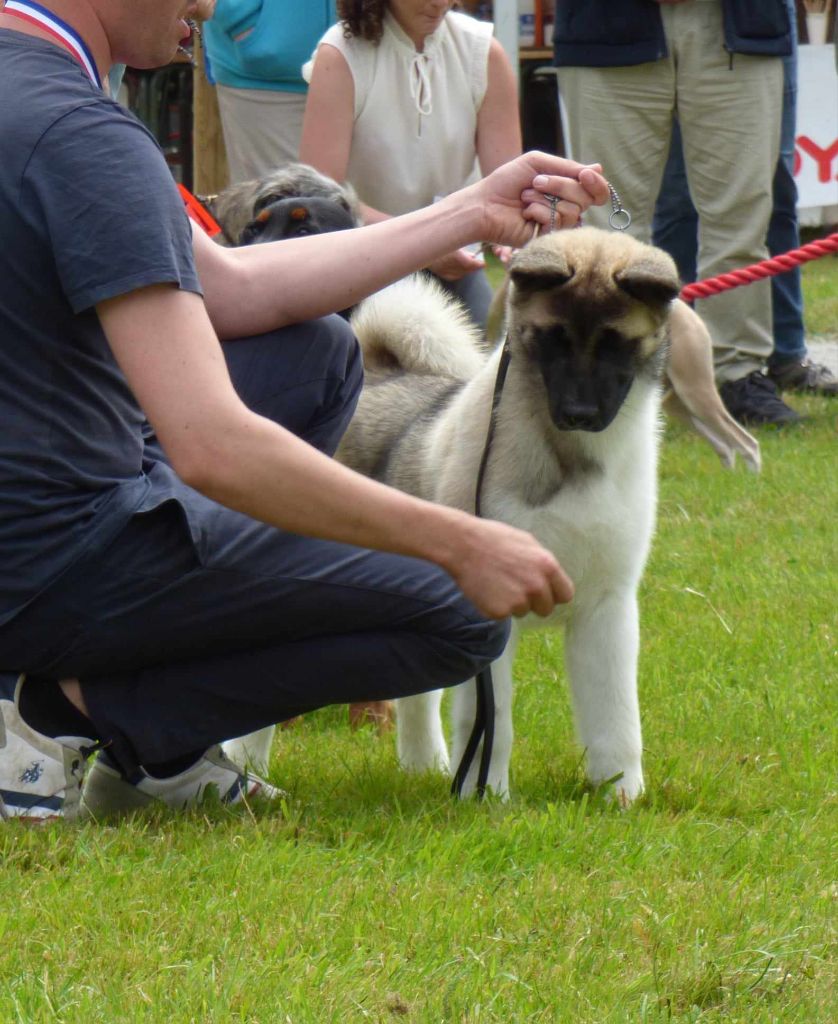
{"type": "Point", "coordinates": [816, 141]}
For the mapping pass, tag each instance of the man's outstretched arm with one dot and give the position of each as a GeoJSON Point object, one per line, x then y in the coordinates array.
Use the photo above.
{"type": "Point", "coordinates": [262, 287]}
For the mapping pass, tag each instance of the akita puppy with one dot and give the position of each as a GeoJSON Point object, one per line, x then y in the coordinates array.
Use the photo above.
{"type": "Point", "coordinates": [573, 460]}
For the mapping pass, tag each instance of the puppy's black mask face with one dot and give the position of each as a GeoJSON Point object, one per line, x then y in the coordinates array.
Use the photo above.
{"type": "Point", "coordinates": [293, 217]}
{"type": "Point", "coordinates": [591, 337]}
{"type": "Point", "coordinates": [584, 393]}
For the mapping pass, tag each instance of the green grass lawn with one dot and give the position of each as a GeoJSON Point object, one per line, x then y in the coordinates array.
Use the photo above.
{"type": "Point", "coordinates": [375, 897]}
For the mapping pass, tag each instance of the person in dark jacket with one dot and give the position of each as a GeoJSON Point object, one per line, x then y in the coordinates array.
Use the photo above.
{"type": "Point", "coordinates": [625, 71]}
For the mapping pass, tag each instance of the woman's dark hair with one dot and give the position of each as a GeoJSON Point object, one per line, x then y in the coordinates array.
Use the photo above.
{"type": "Point", "coordinates": [362, 18]}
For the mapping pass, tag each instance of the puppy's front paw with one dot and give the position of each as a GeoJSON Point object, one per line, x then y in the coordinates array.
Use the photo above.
{"type": "Point", "coordinates": [420, 740]}
{"type": "Point", "coordinates": [498, 787]}
{"type": "Point", "coordinates": [423, 750]}
{"type": "Point", "coordinates": [424, 760]}
{"type": "Point", "coordinates": [622, 787]}
{"type": "Point", "coordinates": [624, 794]}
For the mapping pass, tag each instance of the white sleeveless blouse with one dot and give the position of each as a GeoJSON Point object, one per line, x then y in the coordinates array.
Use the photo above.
{"type": "Point", "coordinates": [415, 128]}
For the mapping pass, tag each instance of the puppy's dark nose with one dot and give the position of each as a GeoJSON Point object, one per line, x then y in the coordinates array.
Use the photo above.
{"type": "Point", "coordinates": [576, 414]}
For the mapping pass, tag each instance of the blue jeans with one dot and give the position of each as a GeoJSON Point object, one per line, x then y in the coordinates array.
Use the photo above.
{"type": "Point", "coordinates": [675, 225]}
{"type": "Point", "coordinates": [197, 623]}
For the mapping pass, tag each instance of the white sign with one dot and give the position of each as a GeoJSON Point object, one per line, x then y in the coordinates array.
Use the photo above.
{"type": "Point", "coordinates": [816, 139]}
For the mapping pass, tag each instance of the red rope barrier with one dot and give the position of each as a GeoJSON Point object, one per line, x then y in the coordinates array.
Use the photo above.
{"type": "Point", "coordinates": [757, 271]}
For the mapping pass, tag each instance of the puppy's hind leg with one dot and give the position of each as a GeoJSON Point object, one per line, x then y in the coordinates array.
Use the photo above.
{"type": "Point", "coordinates": [251, 751]}
{"type": "Point", "coordinates": [601, 650]}
{"type": "Point", "coordinates": [420, 740]}
{"type": "Point", "coordinates": [463, 707]}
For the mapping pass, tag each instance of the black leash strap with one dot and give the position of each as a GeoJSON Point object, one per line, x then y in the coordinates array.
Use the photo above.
{"type": "Point", "coordinates": [484, 715]}
{"type": "Point", "coordinates": [500, 380]}
{"type": "Point", "coordinates": [484, 727]}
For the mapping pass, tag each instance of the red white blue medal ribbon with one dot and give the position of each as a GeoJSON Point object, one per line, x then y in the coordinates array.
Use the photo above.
{"type": "Point", "coordinates": [58, 29]}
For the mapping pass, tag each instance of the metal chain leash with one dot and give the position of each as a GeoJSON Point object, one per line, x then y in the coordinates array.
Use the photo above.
{"type": "Point", "coordinates": [185, 51]}
{"type": "Point", "coordinates": [619, 218]}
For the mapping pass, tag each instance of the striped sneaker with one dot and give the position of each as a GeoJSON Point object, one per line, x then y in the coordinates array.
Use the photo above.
{"type": "Point", "coordinates": [40, 777]}
{"type": "Point", "coordinates": [107, 792]}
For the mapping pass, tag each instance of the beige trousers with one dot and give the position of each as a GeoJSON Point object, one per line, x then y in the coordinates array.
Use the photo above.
{"type": "Point", "coordinates": [261, 129]}
{"type": "Point", "coordinates": [729, 109]}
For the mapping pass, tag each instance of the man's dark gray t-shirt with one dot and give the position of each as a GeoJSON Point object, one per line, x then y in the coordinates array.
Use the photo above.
{"type": "Point", "coordinates": [88, 211]}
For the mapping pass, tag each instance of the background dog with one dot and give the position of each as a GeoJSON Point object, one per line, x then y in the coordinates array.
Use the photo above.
{"type": "Point", "coordinates": [293, 200]}
{"type": "Point", "coordinates": [573, 461]}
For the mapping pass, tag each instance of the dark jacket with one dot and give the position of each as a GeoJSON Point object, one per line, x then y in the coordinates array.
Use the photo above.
{"type": "Point", "coordinates": [611, 33]}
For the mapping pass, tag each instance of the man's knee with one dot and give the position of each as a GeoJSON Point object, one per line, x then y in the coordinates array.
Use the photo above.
{"type": "Point", "coordinates": [334, 395]}
{"type": "Point", "coordinates": [493, 642]}
{"type": "Point", "coordinates": [306, 377]}
{"type": "Point", "coordinates": [342, 355]}
{"type": "Point", "coordinates": [334, 344]}
{"type": "Point", "coordinates": [478, 642]}
{"type": "Point", "coordinates": [497, 637]}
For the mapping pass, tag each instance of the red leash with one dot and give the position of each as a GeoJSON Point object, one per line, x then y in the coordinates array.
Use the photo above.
{"type": "Point", "coordinates": [199, 213]}
{"type": "Point", "coordinates": [757, 271]}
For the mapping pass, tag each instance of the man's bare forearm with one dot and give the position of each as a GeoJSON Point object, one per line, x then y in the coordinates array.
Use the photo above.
{"type": "Point", "coordinates": [262, 287]}
{"type": "Point", "coordinates": [263, 470]}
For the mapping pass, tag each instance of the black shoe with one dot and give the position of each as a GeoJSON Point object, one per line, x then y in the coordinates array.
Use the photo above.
{"type": "Point", "coordinates": [806, 376]}
{"type": "Point", "coordinates": [753, 400]}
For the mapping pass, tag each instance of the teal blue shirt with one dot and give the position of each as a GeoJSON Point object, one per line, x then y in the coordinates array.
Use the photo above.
{"type": "Point", "coordinates": [263, 44]}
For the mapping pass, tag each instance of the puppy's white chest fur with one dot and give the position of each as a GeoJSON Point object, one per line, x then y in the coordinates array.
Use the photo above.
{"type": "Point", "coordinates": [589, 498]}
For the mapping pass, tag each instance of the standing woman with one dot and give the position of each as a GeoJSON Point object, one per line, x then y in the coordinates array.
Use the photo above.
{"type": "Point", "coordinates": [256, 49]}
{"type": "Point", "coordinates": [409, 101]}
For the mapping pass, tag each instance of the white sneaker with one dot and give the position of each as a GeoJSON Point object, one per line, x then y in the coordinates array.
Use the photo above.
{"type": "Point", "coordinates": [40, 777]}
{"type": "Point", "coordinates": [107, 792]}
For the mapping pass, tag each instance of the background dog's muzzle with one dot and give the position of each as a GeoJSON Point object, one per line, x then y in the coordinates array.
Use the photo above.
{"type": "Point", "coordinates": [294, 217]}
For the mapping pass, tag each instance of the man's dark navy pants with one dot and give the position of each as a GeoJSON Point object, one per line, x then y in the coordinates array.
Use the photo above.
{"type": "Point", "coordinates": [196, 623]}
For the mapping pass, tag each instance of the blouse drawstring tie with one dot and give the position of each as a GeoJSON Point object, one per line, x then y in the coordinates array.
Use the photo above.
{"type": "Point", "coordinates": [420, 86]}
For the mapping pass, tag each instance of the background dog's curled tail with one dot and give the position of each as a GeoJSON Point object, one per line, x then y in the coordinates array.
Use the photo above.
{"type": "Point", "coordinates": [415, 325]}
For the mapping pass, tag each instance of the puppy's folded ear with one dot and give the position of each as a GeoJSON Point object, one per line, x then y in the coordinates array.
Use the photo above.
{"type": "Point", "coordinates": [526, 282]}
{"type": "Point", "coordinates": [652, 280]}
{"type": "Point", "coordinates": [534, 269]}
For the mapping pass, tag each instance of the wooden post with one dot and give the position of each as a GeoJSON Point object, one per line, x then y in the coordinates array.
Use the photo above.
{"type": "Point", "coordinates": [210, 173]}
